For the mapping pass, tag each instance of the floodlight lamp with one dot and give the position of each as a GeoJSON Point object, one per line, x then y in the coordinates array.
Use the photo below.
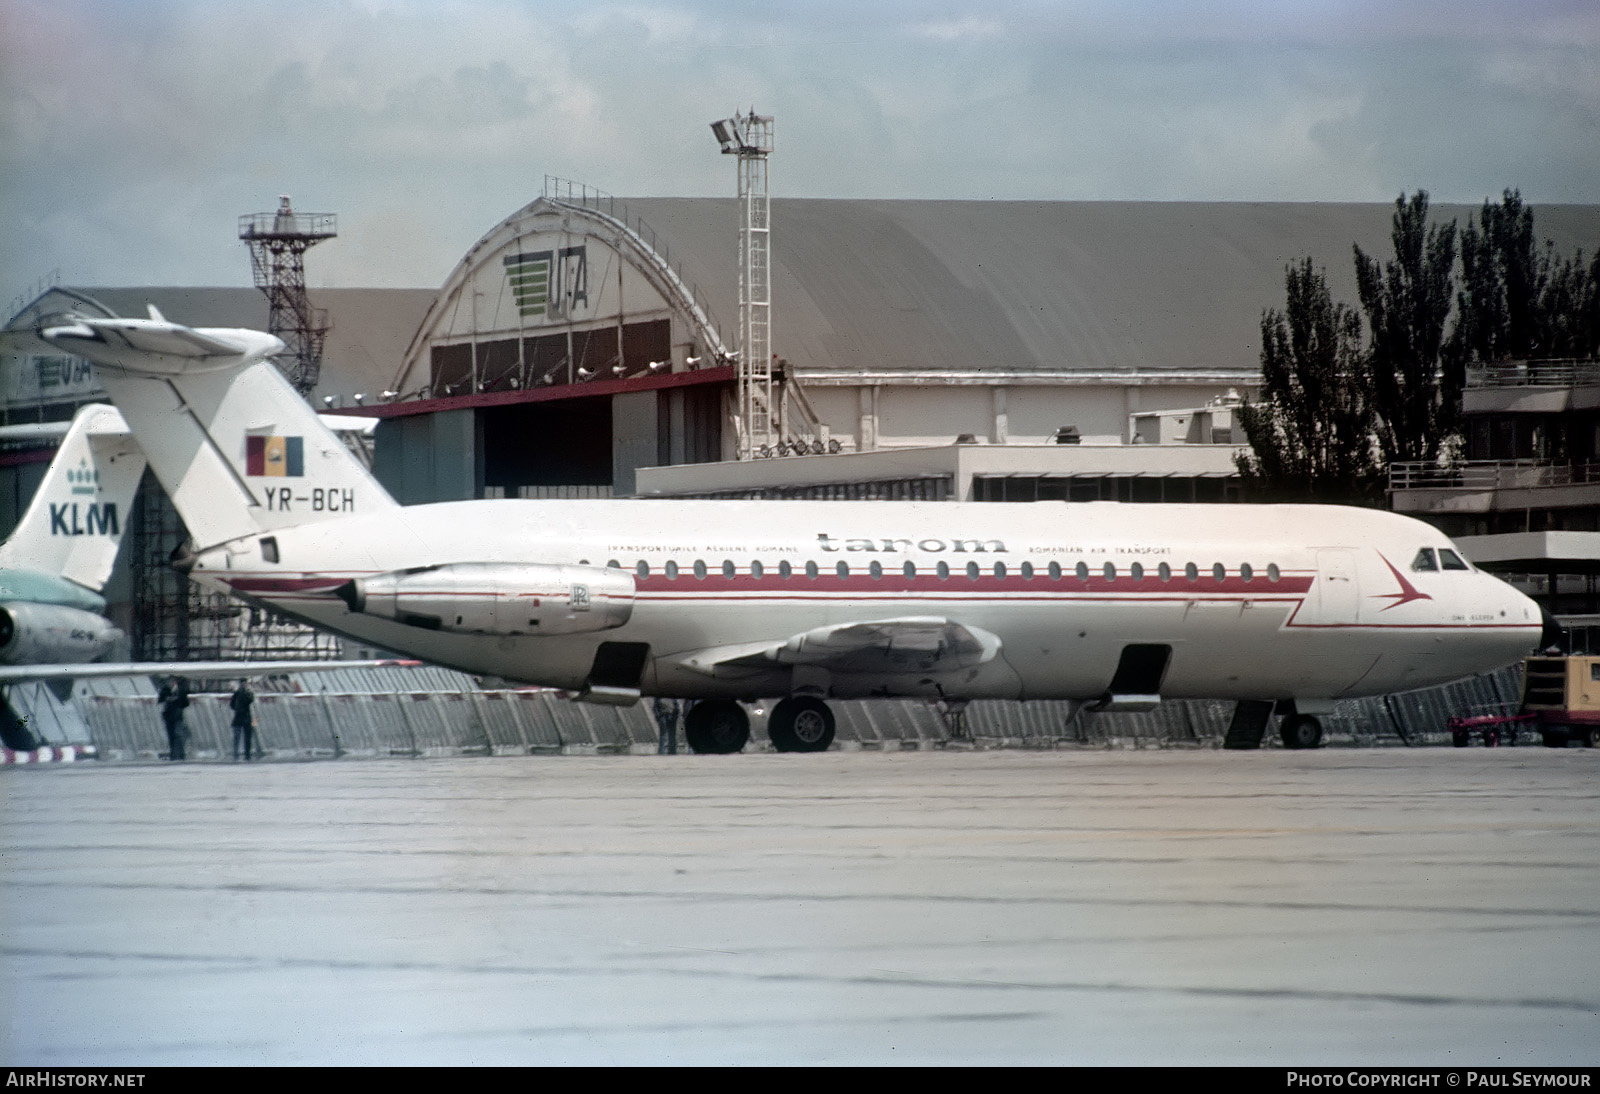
{"type": "Point", "coordinates": [727, 133]}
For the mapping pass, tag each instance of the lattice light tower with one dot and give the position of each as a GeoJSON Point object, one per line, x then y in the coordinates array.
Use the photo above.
{"type": "Point", "coordinates": [749, 137]}
{"type": "Point", "coordinates": [278, 244]}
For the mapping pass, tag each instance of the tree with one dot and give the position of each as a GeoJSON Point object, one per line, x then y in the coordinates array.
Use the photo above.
{"type": "Point", "coordinates": [1311, 437]}
{"type": "Point", "coordinates": [1518, 300]}
{"type": "Point", "coordinates": [1417, 400]}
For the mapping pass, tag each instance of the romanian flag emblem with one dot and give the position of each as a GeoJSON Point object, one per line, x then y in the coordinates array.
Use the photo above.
{"type": "Point", "coordinates": [275, 457]}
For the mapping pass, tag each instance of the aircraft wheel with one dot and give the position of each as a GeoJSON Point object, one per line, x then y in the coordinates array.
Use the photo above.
{"type": "Point", "coordinates": [1301, 731]}
{"type": "Point", "coordinates": [716, 727]}
{"type": "Point", "coordinates": [801, 725]}
{"type": "Point", "coordinates": [1554, 738]}
{"type": "Point", "coordinates": [1460, 738]}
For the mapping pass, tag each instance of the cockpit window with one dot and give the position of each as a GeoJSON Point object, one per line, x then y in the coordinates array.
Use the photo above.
{"type": "Point", "coordinates": [1451, 561]}
{"type": "Point", "coordinates": [1424, 562]}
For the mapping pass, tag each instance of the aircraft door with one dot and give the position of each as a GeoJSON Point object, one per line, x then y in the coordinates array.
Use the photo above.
{"type": "Point", "coordinates": [1338, 593]}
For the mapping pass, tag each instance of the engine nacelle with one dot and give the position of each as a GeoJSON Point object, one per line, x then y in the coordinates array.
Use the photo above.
{"type": "Point", "coordinates": [41, 634]}
{"type": "Point", "coordinates": [500, 598]}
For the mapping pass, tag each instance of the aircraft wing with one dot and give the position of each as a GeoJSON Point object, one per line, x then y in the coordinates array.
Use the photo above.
{"type": "Point", "coordinates": [18, 674]}
{"type": "Point", "coordinates": [908, 644]}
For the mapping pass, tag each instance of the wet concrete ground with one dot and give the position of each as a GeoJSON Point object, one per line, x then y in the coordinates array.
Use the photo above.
{"type": "Point", "coordinates": [1385, 906]}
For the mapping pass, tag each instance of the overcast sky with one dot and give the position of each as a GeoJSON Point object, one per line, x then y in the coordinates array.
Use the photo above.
{"type": "Point", "coordinates": [134, 132]}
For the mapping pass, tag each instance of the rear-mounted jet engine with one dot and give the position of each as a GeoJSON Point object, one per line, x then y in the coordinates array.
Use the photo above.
{"type": "Point", "coordinates": [498, 598]}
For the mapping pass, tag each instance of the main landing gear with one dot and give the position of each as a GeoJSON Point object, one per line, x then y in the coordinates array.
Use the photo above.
{"type": "Point", "coordinates": [1300, 731]}
{"type": "Point", "coordinates": [797, 724]}
{"type": "Point", "coordinates": [801, 724]}
{"type": "Point", "coordinates": [716, 727]}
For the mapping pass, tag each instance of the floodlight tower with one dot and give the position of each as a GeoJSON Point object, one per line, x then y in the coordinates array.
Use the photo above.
{"type": "Point", "coordinates": [278, 244]}
{"type": "Point", "coordinates": [749, 137]}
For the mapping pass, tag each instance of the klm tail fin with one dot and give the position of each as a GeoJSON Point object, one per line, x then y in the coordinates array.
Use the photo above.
{"type": "Point", "coordinates": [238, 451]}
{"type": "Point", "coordinates": [74, 525]}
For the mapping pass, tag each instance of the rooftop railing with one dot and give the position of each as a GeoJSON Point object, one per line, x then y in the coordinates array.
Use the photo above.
{"type": "Point", "coordinates": [1568, 372]}
{"type": "Point", "coordinates": [1479, 475]}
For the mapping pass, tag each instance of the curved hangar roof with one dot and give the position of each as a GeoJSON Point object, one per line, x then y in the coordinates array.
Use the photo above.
{"type": "Point", "coordinates": [1001, 286]}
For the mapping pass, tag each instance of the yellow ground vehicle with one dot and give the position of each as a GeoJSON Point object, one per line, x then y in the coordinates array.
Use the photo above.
{"type": "Point", "coordinates": [1560, 700]}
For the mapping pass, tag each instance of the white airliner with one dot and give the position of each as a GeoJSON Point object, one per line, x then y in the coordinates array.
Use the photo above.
{"type": "Point", "coordinates": [720, 601]}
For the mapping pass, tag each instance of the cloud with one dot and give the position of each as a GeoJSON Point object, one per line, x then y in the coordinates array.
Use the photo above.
{"type": "Point", "coordinates": [136, 134]}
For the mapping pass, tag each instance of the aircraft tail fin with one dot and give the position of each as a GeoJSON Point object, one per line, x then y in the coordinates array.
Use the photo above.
{"type": "Point", "coordinates": [238, 450]}
{"type": "Point", "coordinates": [75, 523]}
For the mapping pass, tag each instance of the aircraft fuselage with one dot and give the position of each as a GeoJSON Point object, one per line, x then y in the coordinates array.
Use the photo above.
{"type": "Point", "coordinates": [1255, 602]}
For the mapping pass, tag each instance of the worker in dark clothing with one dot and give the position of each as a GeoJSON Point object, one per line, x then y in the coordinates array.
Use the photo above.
{"type": "Point", "coordinates": [666, 711]}
{"type": "Point", "coordinates": [244, 720]}
{"type": "Point", "coordinates": [174, 700]}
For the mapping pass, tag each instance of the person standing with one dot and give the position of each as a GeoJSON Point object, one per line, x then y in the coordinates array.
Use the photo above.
{"type": "Point", "coordinates": [174, 699]}
{"type": "Point", "coordinates": [244, 720]}
{"type": "Point", "coordinates": [666, 711]}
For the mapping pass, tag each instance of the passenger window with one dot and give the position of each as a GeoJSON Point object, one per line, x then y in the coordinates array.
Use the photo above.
{"type": "Point", "coordinates": [1192, 572]}
{"type": "Point", "coordinates": [672, 569]}
{"type": "Point", "coordinates": [811, 570]}
{"type": "Point", "coordinates": [269, 549]}
{"type": "Point", "coordinates": [944, 571]}
{"type": "Point", "coordinates": [1219, 572]}
{"type": "Point", "coordinates": [1027, 571]}
{"type": "Point", "coordinates": [785, 570]}
{"type": "Point", "coordinates": [613, 565]}
{"type": "Point", "coordinates": [910, 569]}
{"type": "Point", "coordinates": [1451, 560]}
{"type": "Point", "coordinates": [876, 570]}
{"type": "Point", "coordinates": [1082, 571]}
{"type": "Point", "coordinates": [1246, 571]}
{"type": "Point", "coordinates": [700, 569]}
{"type": "Point", "coordinates": [972, 571]}
{"type": "Point", "coordinates": [1109, 570]}
{"type": "Point", "coordinates": [843, 569]}
{"type": "Point", "coordinates": [1136, 572]}
{"type": "Point", "coordinates": [1000, 570]}
{"type": "Point", "coordinates": [728, 569]}
{"type": "Point", "coordinates": [1055, 571]}
{"type": "Point", "coordinates": [643, 569]}
{"type": "Point", "coordinates": [1424, 562]}
{"type": "Point", "coordinates": [1165, 572]}
{"type": "Point", "coordinates": [1273, 573]}
{"type": "Point", "coordinates": [756, 569]}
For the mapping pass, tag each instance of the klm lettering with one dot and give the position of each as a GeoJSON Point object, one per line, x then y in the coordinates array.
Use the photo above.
{"type": "Point", "coordinates": [84, 519]}
{"type": "Point", "coordinates": [926, 546]}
